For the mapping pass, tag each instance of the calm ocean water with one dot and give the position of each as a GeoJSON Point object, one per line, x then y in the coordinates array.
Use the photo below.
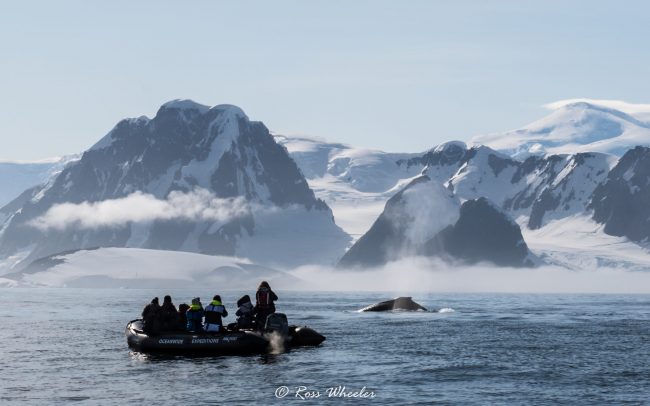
{"type": "Point", "coordinates": [65, 345]}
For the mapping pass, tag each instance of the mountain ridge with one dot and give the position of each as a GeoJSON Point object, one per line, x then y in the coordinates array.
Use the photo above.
{"type": "Point", "coordinates": [219, 150]}
{"type": "Point", "coordinates": [185, 148]}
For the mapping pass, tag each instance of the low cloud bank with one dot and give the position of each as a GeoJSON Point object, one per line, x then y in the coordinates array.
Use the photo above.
{"type": "Point", "coordinates": [426, 275]}
{"type": "Point", "coordinates": [138, 207]}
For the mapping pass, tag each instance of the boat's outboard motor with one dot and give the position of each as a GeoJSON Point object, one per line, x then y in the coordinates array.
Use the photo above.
{"type": "Point", "coordinates": [277, 322]}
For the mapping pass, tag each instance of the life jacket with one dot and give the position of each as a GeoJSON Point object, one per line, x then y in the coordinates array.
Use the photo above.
{"type": "Point", "coordinates": [264, 301]}
{"type": "Point", "coordinates": [194, 316]}
{"type": "Point", "coordinates": [213, 312]}
{"type": "Point", "coordinates": [195, 313]}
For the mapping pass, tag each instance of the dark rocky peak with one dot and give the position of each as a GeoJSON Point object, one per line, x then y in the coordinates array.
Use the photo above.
{"type": "Point", "coordinates": [482, 155]}
{"type": "Point", "coordinates": [556, 186]}
{"type": "Point", "coordinates": [410, 217]}
{"type": "Point", "coordinates": [445, 154]}
{"type": "Point", "coordinates": [537, 164]}
{"type": "Point", "coordinates": [483, 233]}
{"type": "Point", "coordinates": [622, 202]}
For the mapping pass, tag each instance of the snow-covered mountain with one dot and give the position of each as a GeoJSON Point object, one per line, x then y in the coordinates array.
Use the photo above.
{"type": "Point", "coordinates": [426, 218]}
{"type": "Point", "coordinates": [193, 178]}
{"type": "Point", "coordinates": [355, 182]}
{"type": "Point", "coordinates": [579, 126]}
{"type": "Point", "coordinates": [540, 192]}
{"type": "Point", "coordinates": [540, 187]}
{"type": "Point", "coordinates": [543, 172]}
{"type": "Point", "coordinates": [212, 181]}
{"type": "Point", "coordinates": [365, 170]}
{"type": "Point", "coordinates": [557, 186]}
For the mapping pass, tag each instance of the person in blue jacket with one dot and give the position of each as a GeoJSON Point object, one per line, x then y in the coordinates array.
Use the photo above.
{"type": "Point", "coordinates": [194, 316]}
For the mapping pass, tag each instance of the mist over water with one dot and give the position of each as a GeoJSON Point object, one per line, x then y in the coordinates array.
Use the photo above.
{"type": "Point", "coordinates": [276, 343]}
{"type": "Point", "coordinates": [426, 275]}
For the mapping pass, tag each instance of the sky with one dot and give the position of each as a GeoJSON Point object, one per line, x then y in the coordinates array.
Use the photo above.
{"type": "Point", "coordinates": [392, 75]}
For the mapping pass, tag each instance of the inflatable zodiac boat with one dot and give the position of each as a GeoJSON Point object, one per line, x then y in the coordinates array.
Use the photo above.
{"type": "Point", "coordinates": [240, 342]}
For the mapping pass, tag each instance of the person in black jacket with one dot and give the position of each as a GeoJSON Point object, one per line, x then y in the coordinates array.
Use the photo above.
{"type": "Point", "coordinates": [182, 316]}
{"type": "Point", "coordinates": [151, 315]}
{"type": "Point", "coordinates": [169, 314]}
{"type": "Point", "coordinates": [265, 305]}
{"type": "Point", "coordinates": [213, 314]}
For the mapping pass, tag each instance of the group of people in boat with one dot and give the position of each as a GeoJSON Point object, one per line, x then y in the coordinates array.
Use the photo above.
{"type": "Point", "coordinates": [196, 318]}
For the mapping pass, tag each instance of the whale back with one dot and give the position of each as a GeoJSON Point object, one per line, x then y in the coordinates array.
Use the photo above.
{"type": "Point", "coordinates": [399, 303]}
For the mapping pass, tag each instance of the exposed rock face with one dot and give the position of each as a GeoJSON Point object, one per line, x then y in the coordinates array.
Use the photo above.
{"type": "Point", "coordinates": [557, 186]}
{"type": "Point", "coordinates": [622, 202]}
{"type": "Point", "coordinates": [483, 233]}
{"type": "Point", "coordinates": [410, 218]}
{"type": "Point", "coordinates": [540, 188]}
{"type": "Point", "coordinates": [442, 162]}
